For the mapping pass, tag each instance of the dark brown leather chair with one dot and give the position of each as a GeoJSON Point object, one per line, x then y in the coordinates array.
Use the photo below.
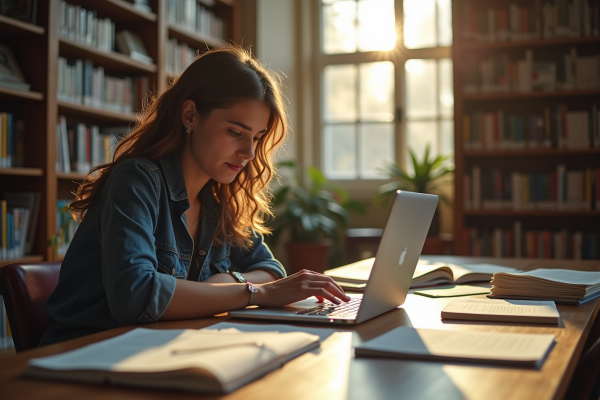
{"type": "Point", "coordinates": [26, 288]}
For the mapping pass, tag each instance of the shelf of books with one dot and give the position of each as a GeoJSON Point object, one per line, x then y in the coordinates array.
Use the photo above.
{"type": "Point", "coordinates": [527, 143]}
{"type": "Point", "coordinates": [78, 72]}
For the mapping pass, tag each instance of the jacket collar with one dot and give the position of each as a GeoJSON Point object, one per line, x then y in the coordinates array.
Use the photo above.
{"type": "Point", "coordinates": [176, 183]}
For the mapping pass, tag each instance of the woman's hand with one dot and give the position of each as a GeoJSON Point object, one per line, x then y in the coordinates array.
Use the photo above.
{"type": "Point", "coordinates": [298, 287]}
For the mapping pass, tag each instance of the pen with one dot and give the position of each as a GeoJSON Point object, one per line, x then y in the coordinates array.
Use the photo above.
{"type": "Point", "coordinates": [259, 344]}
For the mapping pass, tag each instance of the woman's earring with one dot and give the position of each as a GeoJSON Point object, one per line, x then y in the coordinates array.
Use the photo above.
{"type": "Point", "coordinates": [188, 129]}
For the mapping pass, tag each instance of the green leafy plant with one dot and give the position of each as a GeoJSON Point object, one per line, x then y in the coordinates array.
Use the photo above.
{"type": "Point", "coordinates": [429, 176]}
{"type": "Point", "coordinates": [313, 211]}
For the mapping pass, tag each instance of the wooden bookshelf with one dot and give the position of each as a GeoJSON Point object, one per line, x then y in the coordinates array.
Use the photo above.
{"type": "Point", "coordinates": [529, 95]}
{"type": "Point", "coordinates": [22, 171]}
{"type": "Point", "coordinates": [531, 153]}
{"type": "Point", "coordinates": [528, 162]}
{"type": "Point", "coordinates": [72, 176]}
{"type": "Point", "coordinates": [37, 48]}
{"type": "Point", "coordinates": [9, 93]}
{"type": "Point", "coordinates": [14, 27]}
{"type": "Point", "coordinates": [194, 39]}
{"type": "Point", "coordinates": [112, 61]}
{"type": "Point", "coordinates": [96, 114]}
{"type": "Point", "coordinates": [531, 43]}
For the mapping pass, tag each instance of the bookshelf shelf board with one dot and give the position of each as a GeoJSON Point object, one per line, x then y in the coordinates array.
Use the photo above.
{"type": "Point", "coordinates": [14, 27]}
{"type": "Point", "coordinates": [73, 176]}
{"type": "Point", "coordinates": [112, 61]}
{"type": "Point", "coordinates": [26, 259]}
{"type": "Point", "coordinates": [531, 43]}
{"type": "Point", "coordinates": [94, 113]}
{"type": "Point", "coordinates": [528, 95]}
{"type": "Point", "coordinates": [530, 152]}
{"type": "Point", "coordinates": [196, 40]}
{"type": "Point", "coordinates": [117, 10]}
{"type": "Point", "coordinates": [11, 93]}
{"type": "Point", "coordinates": [532, 213]}
{"type": "Point", "coordinates": [22, 171]}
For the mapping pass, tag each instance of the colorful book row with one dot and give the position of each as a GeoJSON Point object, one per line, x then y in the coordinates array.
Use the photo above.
{"type": "Point", "coordinates": [540, 19]}
{"type": "Point", "coordinates": [82, 83]}
{"type": "Point", "coordinates": [66, 226]}
{"type": "Point", "coordinates": [192, 16]}
{"type": "Point", "coordinates": [512, 190]}
{"type": "Point", "coordinates": [81, 147]}
{"type": "Point", "coordinates": [83, 26]}
{"type": "Point", "coordinates": [500, 73]}
{"type": "Point", "coordinates": [179, 56]}
{"type": "Point", "coordinates": [531, 243]}
{"type": "Point", "coordinates": [553, 128]}
{"type": "Point", "coordinates": [13, 231]}
{"type": "Point", "coordinates": [12, 141]}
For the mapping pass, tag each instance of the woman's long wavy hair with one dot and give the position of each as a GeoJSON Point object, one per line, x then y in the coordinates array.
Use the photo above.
{"type": "Point", "coordinates": [217, 79]}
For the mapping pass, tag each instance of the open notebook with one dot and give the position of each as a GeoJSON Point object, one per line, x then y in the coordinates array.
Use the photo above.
{"type": "Point", "coordinates": [209, 361]}
{"type": "Point", "coordinates": [354, 276]}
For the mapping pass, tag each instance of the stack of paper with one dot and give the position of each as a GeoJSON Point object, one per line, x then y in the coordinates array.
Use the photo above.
{"type": "Point", "coordinates": [535, 311]}
{"type": "Point", "coordinates": [560, 285]}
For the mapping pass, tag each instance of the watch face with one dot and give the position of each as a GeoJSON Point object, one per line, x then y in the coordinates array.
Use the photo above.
{"type": "Point", "coordinates": [239, 276]}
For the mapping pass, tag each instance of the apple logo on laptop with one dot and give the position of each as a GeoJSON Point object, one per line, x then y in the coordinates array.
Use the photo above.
{"type": "Point", "coordinates": [402, 256]}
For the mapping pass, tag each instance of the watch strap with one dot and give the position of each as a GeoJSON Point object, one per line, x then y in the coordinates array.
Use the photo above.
{"type": "Point", "coordinates": [253, 292]}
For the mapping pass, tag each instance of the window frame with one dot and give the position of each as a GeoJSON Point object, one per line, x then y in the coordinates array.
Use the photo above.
{"type": "Point", "coordinates": [365, 188]}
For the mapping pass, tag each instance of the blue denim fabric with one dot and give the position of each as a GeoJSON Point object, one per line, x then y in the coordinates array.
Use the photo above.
{"type": "Point", "coordinates": [132, 244]}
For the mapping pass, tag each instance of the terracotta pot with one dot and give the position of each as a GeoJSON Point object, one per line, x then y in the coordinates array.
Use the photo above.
{"type": "Point", "coordinates": [308, 255]}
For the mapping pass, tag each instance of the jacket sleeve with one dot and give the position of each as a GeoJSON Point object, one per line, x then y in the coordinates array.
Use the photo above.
{"type": "Point", "coordinates": [259, 256]}
{"type": "Point", "coordinates": [135, 290]}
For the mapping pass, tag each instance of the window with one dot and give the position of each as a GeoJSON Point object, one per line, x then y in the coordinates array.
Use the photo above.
{"type": "Point", "coordinates": [383, 89]}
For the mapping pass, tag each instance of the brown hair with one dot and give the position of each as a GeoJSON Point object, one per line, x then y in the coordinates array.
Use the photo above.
{"type": "Point", "coordinates": [215, 80]}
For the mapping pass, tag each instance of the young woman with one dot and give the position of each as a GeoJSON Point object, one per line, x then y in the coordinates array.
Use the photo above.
{"type": "Point", "coordinates": [172, 228]}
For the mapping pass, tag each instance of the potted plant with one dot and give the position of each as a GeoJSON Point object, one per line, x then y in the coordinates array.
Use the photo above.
{"type": "Point", "coordinates": [313, 214]}
{"type": "Point", "coordinates": [428, 176]}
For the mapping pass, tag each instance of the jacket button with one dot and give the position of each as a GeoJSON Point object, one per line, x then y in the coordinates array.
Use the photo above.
{"type": "Point", "coordinates": [173, 271]}
{"type": "Point", "coordinates": [202, 253]}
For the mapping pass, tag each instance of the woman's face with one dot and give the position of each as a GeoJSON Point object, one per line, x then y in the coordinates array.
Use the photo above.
{"type": "Point", "coordinates": [222, 142]}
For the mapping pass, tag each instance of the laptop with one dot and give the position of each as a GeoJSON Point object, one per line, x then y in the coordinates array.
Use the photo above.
{"type": "Point", "coordinates": [395, 262]}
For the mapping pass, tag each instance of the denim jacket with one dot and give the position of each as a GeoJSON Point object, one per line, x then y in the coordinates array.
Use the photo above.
{"type": "Point", "coordinates": [132, 245]}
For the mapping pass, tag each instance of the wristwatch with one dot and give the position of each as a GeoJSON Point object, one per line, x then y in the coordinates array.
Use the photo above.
{"type": "Point", "coordinates": [237, 276]}
{"type": "Point", "coordinates": [253, 292]}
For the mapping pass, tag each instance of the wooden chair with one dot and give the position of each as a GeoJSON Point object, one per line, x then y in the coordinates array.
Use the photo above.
{"type": "Point", "coordinates": [26, 288]}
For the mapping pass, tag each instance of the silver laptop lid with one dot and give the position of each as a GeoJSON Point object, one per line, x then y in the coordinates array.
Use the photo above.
{"type": "Point", "coordinates": [398, 253]}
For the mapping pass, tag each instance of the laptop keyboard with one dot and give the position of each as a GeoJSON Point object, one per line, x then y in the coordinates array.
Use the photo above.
{"type": "Point", "coordinates": [329, 309]}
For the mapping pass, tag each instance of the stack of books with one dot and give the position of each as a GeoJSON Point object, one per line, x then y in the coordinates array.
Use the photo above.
{"type": "Point", "coordinates": [559, 285]}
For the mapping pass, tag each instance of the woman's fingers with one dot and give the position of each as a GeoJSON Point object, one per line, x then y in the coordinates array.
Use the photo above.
{"type": "Point", "coordinates": [315, 276]}
{"type": "Point", "coordinates": [330, 287]}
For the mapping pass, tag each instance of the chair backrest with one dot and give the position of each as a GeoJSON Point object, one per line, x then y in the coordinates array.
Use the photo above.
{"type": "Point", "coordinates": [26, 288]}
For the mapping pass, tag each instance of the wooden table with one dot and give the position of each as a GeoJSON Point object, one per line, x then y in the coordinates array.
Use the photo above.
{"type": "Point", "coordinates": [332, 372]}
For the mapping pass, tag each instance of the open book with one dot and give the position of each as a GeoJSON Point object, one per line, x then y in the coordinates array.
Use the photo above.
{"type": "Point", "coordinates": [519, 349]}
{"type": "Point", "coordinates": [354, 276]}
{"type": "Point", "coordinates": [209, 361]}
{"type": "Point", "coordinates": [559, 285]}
